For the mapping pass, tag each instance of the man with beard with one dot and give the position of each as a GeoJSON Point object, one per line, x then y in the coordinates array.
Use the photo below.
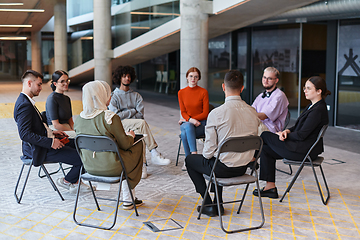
{"type": "Point", "coordinates": [128, 105]}
{"type": "Point", "coordinates": [272, 104]}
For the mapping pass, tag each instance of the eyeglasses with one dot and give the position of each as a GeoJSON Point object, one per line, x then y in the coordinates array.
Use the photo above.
{"type": "Point", "coordinates": [65, 81]}
{"type": "Point", "coordinates": [268, 78]}
{"type": "Point", "coordinates": [307, 88]}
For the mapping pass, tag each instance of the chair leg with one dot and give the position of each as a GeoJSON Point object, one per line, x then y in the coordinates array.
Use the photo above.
{"type": "Point", "coordinates": [56, 171]}
{"type": "Point", "coordinates": [325, 201]}
{"type": "Point", "coordinates": [288, 173]}
{"type": "Point", "coordinates": [178, 153]}
{"type": "Point", "coordinates": [206, 194]}
{"type": "Point", "coordinates": [293, 181]}
{"type": "Point", "coordinates": [18, 199]}
{"type": "Point", "coordinates": [51, 181]}
{"type": "Point", "coordinates": [244, 194]}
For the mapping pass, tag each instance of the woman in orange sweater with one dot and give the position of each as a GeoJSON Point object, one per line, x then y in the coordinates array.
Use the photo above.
{"type": "Point", "coordinates": [194, 107]}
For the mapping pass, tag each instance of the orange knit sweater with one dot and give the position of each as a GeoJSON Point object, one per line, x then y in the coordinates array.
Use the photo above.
{"type": "Point", "coordinates": [194, 103]}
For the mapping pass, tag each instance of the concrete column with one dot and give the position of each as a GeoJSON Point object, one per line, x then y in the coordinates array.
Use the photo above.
{"type": "Point", "coordinates": [60, 36]}
{"type": "Point", "coordinates": [102, 40]}
{"type": "Point", "coordinates": [36, 51]}
{"type": "Point", "coordinates": [193, 40]}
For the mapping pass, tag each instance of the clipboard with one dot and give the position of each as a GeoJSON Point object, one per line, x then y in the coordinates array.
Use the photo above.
{"type": "Point", "coordinates": [138, 138]}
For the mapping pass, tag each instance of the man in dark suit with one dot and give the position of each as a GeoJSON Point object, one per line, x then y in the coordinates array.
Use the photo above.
{"type": "Point", "coordinates": [38, 141]}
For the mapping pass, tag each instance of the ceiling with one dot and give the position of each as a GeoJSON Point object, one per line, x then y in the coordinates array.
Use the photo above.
{"type": "Point", "coordinates": [241, 16]}
{"type": "Point", "coordinates": [36, 19]}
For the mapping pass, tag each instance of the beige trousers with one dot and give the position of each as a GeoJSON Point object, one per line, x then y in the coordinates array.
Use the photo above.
{"type": "Point", "coordinates": [140, 126]}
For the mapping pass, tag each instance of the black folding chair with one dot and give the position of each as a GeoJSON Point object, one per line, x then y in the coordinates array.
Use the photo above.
{"type": "Point", "coordinates": [29, 162]}
{"type": "Point", "coordinates": [238, 145]}
{"type": "Point", "coordinates": [307, 161]}
{"type": "Point", "coordinates": [101, 144]}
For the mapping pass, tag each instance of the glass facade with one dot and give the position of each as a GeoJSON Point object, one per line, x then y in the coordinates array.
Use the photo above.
{"type": "Point", "coordinates": [277, 48]}
{"type": "Point", "coordinates": [219, 58]}
{"type": "Point", "coordinates": [13, 59]}
{"type": "Point", "coordinates": [348, 104]}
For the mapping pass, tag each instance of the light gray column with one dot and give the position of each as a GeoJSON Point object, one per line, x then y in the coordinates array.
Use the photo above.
{"type": "Point", "coordinates": [36, 51]}
{"type": "Point", "coordinates": [193, 40]}
{"type": "Point", "coordinates": [102, 40]}
{"type": "Point", "coordinates": [60, 36]}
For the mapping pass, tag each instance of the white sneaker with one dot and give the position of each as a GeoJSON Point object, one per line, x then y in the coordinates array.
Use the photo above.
{"type": "Point", "coordinates": [183, 168]}
{"type": "Point", "coordinates": [61, 183]}
{"type": "Point", "coordinates": [83, 189]}
{"type": "Point", "coordinates": [144, 172]}
{"type": "Point", "coordinates": [159, 159]}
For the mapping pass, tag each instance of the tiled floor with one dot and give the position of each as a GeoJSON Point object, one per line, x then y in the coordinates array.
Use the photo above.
{"type": "Point", "coordinates": [169, 194]}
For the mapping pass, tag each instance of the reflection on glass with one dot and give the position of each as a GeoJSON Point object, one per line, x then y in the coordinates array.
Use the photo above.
{"type": "Point", "coordinates": [13, 59]}
{"type": "Point", "coordinates": [277, 48]}
{"type": "Point", "coordinates": [348, 108]}
{"type": "Point", "coordinates": [219, 65]}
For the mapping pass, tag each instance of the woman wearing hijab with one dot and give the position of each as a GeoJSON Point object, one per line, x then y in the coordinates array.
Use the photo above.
{"type": "Point", "coordinates": [95, 119]}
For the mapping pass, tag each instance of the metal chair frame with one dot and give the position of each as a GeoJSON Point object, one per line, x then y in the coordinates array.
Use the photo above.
{"type": "Point", "coordinates": [178, 153]}
{"type": "Point", "coordinates": [239, 145]}
{"type": "Point", "coordinates": [307, 161]}
{"type": "Point", "coordinates": [29, 162]}
{"type": "Point", "coordinates": [287, 120]}
{"type": "Point", "coordinates": [101, 144]}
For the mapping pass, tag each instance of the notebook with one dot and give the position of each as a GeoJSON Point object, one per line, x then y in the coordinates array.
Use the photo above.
{"type": "Point", "coordinates": [138, 138]}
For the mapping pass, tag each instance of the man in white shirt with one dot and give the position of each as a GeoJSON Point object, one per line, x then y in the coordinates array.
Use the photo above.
{"type": "Point", "coordinates": [234, 118]}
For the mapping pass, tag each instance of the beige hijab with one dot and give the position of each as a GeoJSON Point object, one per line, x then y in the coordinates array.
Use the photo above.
{"type": "Point", "coordinates": [94, 98]}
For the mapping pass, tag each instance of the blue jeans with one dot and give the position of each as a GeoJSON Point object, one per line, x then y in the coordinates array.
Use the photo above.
{"type": "Point", "coordinates": [188, 135]}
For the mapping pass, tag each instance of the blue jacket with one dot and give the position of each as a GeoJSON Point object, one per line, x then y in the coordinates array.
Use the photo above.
{"type": "Point", "coordinates": [31, 130]}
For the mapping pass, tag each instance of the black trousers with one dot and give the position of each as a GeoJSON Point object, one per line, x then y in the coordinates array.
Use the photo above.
{"type": "Point", "coordinates": [197, 165]}
{"type": "Point", "coordinates": [68, 155]}
{"type": "Point", "coordinates": [272, 150]}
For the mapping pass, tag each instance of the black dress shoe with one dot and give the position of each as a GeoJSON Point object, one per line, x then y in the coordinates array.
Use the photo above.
{"type": "Point", "coordinates": [251, 165]}
{"type": "Point", "coordinates": [221, 209]}
{"type": "Point", "coordinates": [208, 210]}
{"type": "Point", "coordinates": [270, 193]}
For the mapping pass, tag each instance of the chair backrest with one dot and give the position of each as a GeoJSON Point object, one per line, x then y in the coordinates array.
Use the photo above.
{"type": "Point", "coordinates": [44, 117]}
{"type": "Point", "coordinates": [320, 135]}
{"type": "Point", "coordinates": [158, 76]}
{"type": "Point", "coordinates": [287, 120]}
{"type": "Point", "coordinates": [241, 144]}
{"type": "Point", "coordinates": [165, 77]}
{"type": "Point", "coordinates": [96, 143]}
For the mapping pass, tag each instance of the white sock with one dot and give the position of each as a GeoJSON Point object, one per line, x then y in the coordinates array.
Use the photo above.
{"type": "Point", "coordinates": [154, 151]}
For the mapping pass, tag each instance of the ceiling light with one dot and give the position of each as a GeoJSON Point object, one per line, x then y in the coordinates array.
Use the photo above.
{"type": "Point", "coordinates": [11, 4]}
{"type": "Point", "coordinates": [87, 38]}
{"type": "Point", "coordinates": [13, 38]}
{"type": "Point", "coordinates": [155, 13]}
{"type": "Point", "coordinates": [15, 25]}
{"type": "Point", "coordinates": [21, 10]}
{"type": "Point", "coordinates": [233, 6]}
{"type": "Point", "coordinates": [133, 27]}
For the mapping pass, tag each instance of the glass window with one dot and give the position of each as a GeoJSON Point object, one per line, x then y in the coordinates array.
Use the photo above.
{"type": "Point", "coordinates": [277, 48]}
{"type": "Point", "coordinates": [348, 106]}
{"type": "Point", "coordinates": [219, 65]}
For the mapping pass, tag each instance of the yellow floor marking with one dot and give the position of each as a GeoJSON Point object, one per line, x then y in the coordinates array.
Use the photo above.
{"type": "Point", "coordinates": [7, 109]}
{"type": "Point", "coordinates": [353, 221]}
{"type": "Point", "coordinates": [117, 230]}
{"type": "Point", "coordinates": [187, 222]}
{"type": "Point", "coordinates": [307, 201]}
{"type": "Point", "coordinates": [271, 220]}
{"type": "Point", "coordinates": [291, 214]}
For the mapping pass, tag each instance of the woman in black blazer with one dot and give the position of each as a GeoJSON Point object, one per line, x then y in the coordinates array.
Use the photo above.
{"type": "Point", "coordinates": [293, 143]}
